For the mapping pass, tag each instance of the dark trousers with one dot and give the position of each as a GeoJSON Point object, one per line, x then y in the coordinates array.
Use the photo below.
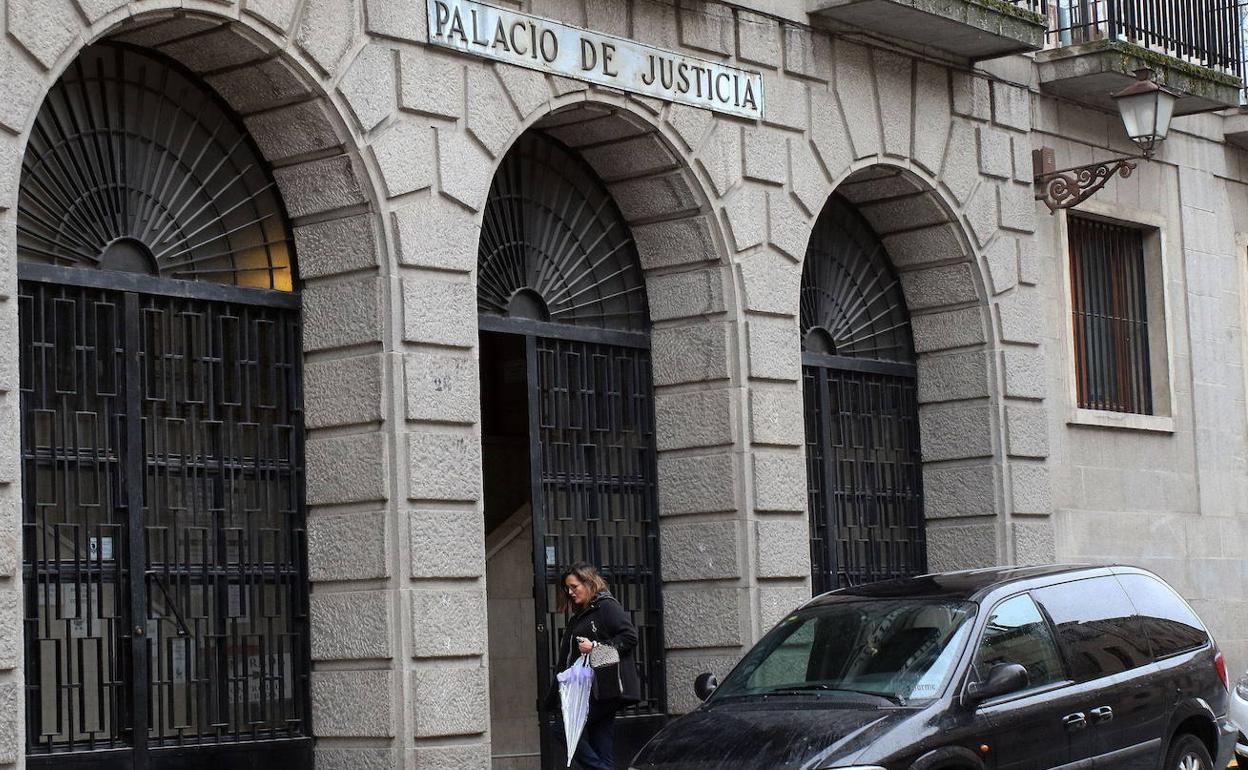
{"type": "Point", "coordinates": [596, 749]}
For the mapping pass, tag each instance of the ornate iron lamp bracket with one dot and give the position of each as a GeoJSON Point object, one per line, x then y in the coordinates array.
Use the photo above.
{"type": "Point", "coordinates": [1061, 189]}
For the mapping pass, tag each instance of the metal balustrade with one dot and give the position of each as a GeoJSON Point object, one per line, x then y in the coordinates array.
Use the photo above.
{"type": "Point", "coordinates": [1206, 33]}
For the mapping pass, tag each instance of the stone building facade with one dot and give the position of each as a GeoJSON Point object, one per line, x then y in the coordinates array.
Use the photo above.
{"type": "Point", "coordinates": [384, 149]}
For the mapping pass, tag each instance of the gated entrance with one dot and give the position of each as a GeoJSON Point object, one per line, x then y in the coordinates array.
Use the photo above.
{"type": "Point", "coordinates": [863, 464]}
{"type": "Point", "coordinates": [563, 315]}
{"type": "Point", "coordinates": [162, 464]}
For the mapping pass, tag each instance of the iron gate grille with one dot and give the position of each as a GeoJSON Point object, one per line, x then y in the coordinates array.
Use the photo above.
{"type": "Point", "coordinates": [863, 467]}
{"type": "Point", "coordinates": [864, 474]}
{"type": "Point", "coordinates": [558, 266]}
{"type": "Point", "coordinates": [133, 164]}
{"type": "Point", "coordinates": [595, 476]}
{"type": "Point", "coordinates": [162, 470]}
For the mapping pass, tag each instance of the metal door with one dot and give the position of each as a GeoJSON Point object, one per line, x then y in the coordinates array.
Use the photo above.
{"type": "Point", "coordinates": [863, 464]}
{"type": "Point", "coordinates": [557, 265]}
{"type": "Point", "coordinates": [163, 537]}
{"type": "Point", "coordinates": [594, 491]}
{"type": "Point", "coordinates": [864, 472]}
{"type": "Point", "coordinates": [163, 540]}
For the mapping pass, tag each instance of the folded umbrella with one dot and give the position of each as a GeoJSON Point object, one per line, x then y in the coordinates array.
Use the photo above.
{"type": "Point", "coordinates": [575, 685]}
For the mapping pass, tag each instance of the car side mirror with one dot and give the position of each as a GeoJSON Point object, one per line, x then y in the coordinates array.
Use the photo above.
{"type": "Point", "coordinates": [1003, 678]}
{"type": "Point", "coordinates": [704, 685]}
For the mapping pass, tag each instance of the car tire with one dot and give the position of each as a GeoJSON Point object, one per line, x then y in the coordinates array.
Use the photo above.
{"type": "Point", "coordinates": [1187, 752]}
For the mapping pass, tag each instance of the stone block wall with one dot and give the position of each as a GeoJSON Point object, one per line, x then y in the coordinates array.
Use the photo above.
{"type": "Point", "coordinates": [384, 150]}
{"type": "Point", "coordinates": [12, 702]}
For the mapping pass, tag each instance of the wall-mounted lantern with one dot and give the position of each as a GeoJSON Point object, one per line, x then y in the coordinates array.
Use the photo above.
{"type": "Point", "coordinates": [1146, 109]}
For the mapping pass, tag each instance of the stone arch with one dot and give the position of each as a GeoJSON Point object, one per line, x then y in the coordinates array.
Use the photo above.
{"type": "Point", "coordinates": [659, 191]}
{"type": "Point", "coordinates": [262, 61]}
{"type": "Point", "coordinates": [691, 286]}
{"type": "Point", "coordinates": [269, 77]}
{"type": "Point", "coordinates": [269, 69]}
{"type": "Point", "coordinates": [330, 193]}
{"type": "Point", "coordinates": [948, 292]}
{"type": "Point", "coordinates": [271, 66]}
{"type": "Point", "coordinates": [919, 225]}
{"type": "Point", "coordinates": [691, 290]}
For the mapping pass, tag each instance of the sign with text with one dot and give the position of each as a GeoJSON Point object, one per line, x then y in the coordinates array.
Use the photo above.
{"type": "Point", "coordinates": [560, 49]}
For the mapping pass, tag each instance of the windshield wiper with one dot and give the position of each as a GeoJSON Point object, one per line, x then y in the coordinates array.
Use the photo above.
{"type": "Point", "coordinates": [829, 688]}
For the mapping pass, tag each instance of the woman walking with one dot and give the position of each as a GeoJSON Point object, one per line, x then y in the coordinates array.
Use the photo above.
{"type": "Point", "coordinates": [595, 617]}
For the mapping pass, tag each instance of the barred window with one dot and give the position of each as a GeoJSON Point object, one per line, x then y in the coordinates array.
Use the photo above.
{"type": "Point", "coordinates": [1109, 302]}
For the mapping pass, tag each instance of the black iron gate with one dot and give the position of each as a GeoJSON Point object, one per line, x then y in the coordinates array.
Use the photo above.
{"type": "Point", "coordinates": [594, 491]}
{"type": "Point", "coordinates": [163, 537]}
{"type": "Point", "coordinates": [864, 472]}
{"type": "Point", "coordinates": [863, 465]}
{"type": "Point", "coordinates": [557, 265]}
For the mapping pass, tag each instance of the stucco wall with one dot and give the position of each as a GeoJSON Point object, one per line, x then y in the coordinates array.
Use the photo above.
{"type": "Point", "coordinates": [1171, 496]}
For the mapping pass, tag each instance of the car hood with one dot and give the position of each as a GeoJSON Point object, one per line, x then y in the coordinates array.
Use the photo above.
{"type": "Point", "coordinates": [766, 734]}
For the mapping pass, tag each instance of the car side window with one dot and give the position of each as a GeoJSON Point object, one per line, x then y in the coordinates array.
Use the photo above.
{"type": "Point", "coordinates": [1166, 619]}
{"type": "Point", "coordinates": [1097, 626]}
{"type": "Point", "coordinates": [1016, 632]}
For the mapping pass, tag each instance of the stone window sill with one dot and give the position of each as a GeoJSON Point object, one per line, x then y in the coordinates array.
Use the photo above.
{"type": "Point", "coordinates": [1143, 422]}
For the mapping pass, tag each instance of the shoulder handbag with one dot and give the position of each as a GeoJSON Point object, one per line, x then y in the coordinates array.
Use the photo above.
{"type": "Point", "coordinates": [605, 661]}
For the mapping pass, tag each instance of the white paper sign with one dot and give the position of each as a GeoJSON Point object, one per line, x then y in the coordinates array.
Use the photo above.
{"type": "Point", "coordinates": [561, 49]}
{"type": "Point", "coordinates": [101, 547]}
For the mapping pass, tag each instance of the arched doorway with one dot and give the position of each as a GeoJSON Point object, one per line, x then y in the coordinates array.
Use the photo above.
{"type": "Point", "coordinates": [864, 468]}
{"type": "Point", "coordinates": [163, 550]}
{"type": "Point", "coordinates": [568, 436]}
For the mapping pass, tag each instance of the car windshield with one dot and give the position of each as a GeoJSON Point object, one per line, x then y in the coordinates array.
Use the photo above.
{"type": "Point", "coordinates": [900, 650]}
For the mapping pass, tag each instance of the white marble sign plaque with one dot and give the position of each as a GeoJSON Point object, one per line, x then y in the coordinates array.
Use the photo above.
{"type": "Point", "coordinates": [561, 49]}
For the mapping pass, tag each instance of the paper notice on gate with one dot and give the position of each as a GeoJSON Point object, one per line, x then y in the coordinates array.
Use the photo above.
{"type": "Point", "coordinates": [101, 548]}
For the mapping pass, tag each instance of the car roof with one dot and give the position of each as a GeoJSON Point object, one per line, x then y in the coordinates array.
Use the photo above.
{"type": "Point", "coordinates": [969, 585]}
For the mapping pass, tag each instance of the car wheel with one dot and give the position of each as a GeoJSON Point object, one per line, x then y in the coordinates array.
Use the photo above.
{"type": "Point", "coordinates": [1188, 753]}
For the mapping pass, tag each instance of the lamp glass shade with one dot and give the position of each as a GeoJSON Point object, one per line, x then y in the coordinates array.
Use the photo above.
{"type": "Point", "coordinates": [1146, 111]}
{"type": "Point", "coordinates": [1165, 111]}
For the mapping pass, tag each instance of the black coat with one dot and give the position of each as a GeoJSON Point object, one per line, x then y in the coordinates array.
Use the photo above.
{"type": "Point", "coordinates": [606, 622]}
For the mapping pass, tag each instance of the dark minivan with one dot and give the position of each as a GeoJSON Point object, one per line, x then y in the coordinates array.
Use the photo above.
{"type": "Point", "coordinates": [995, 669]}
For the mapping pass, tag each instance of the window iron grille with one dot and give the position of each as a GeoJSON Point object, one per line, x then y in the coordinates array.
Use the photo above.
{"type": "Point", "coordinates": [1109, 305]}
{"type": "Point", "coordinates": [164, 567]}
{"type": "Point", "coordinates": [595, 418]}
{"type": "Point", "coordinates": [864, 476]}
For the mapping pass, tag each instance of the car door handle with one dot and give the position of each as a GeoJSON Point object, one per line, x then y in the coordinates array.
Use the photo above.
{"type": "Point", "coordinates": [1075, 721]}
{"type": "Point", "coordinates": [1102, 714]}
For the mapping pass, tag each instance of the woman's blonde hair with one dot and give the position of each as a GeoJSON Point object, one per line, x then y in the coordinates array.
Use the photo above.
{"type": "Point", "coordinates": [585, 573]}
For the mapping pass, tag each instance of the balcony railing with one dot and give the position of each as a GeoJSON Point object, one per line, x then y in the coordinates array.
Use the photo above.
{"type": "Point", "coordinates": [1205, 33]}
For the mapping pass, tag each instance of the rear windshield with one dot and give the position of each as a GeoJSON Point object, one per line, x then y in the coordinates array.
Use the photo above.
{"type": "Point", "coordinates": [899, 650]}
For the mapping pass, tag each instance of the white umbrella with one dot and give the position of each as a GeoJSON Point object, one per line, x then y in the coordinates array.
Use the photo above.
{"type": "Point", "coordinates": [574, 688]}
